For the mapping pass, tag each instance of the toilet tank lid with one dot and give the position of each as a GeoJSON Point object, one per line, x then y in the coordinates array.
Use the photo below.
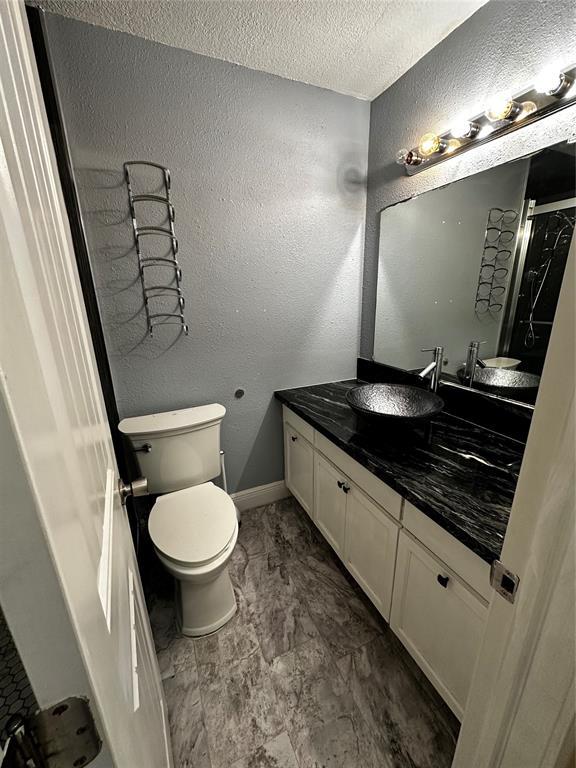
{"type": "Point", "coordinates": [172, 421]}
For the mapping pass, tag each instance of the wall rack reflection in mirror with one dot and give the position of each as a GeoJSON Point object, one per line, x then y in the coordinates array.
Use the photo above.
{"type": "Point", "coordinates": [496, 253]}
{"type": "Point", "coordinates": [163, 298]}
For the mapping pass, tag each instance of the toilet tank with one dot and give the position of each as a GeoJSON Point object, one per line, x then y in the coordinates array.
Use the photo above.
{"type": "Point", "coordinates": [176, 449]}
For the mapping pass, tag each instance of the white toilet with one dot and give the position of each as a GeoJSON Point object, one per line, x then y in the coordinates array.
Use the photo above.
{"type": "Point", "coordinates": [193, 526]}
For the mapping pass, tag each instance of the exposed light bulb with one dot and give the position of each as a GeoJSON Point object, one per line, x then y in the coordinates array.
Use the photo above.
{"type": "Point", "coordinates": [528, 107]}
{"type": "Point", "coordinates": [548, 81]}
{"type": "Point", "coordinates": [431, 143]}
{"type": "Point", "coordinates": [452, 145]}
{"type": "Point", "coordinates": [413, 158]}
{"type": "Point", "coordinates": [464, 129]}
{"type": "Point", "coordinates": [486, 130]}
{"type": "Point", "coordinates": [401, 156]}
{"type": "Point", "coordinates": [503, 107]}
{"type": "Point", "coordinates": [552, 82]}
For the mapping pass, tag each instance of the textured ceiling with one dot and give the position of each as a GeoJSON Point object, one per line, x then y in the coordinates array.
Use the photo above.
{"type": "Point", "coordinates": [356, 47]}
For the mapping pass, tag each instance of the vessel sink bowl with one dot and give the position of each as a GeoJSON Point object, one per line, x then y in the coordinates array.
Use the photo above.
{"type": "Point", "coordinates": [504, 381]}
{"type": "Point", "coordinates": [394, 403]}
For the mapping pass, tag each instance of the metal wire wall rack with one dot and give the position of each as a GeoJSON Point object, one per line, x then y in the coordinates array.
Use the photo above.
{"type": "Point", "coordinates": [169, 261]}
{"type": "Point", "coordinates": [496, 255]}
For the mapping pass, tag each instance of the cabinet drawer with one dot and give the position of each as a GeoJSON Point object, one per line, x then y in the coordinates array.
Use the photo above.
{"type": "Point", "coordinates": [469, 567]}
{"type": "Point", "coordinates": [298, 424]}
{"type": "Point", "coordinates": [439, 620]}
{"type": "Point", "coordinates": [370, 484]}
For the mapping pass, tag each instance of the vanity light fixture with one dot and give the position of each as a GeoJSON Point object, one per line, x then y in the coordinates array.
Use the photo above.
{"type": "Point", "coordinates": [553, 82]}
{"type": "Point", "coordinates": [464, 129]}
{"type": "Point", "coordinates": [452, 145]}
{"type": "Point", "coordinates": [408, 157]}
{"type": "Point", "coordinates": [485, 131]}
{"type": "Point", "coordinates": [503, 107]}
{"type": "Point", "coordinates": [430, 144]}
{"type": "Point", "coordinates": [553, 89]}
{"type": "Point", "coordinates": [506, 108]}
{"type": "Point", "coordinates": [401, 156]}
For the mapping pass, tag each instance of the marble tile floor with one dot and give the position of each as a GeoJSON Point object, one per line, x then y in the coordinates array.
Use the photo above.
{"type": "Point", "coordinates": [306, 675]}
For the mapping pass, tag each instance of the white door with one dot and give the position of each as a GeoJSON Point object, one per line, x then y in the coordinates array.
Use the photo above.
{"type": "Point", "coordinates": [51, 392]}
{"type": "Point", "coordinates": [521, 707]}
{"type": "Point", "coordinates": [370, 548]}
{"type": "Point", "coordinates": [330, 502]}
{"type": "Point", "coordinates": [299, 470]}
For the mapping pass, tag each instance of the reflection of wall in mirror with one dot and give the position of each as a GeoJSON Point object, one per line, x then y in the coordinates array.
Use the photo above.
{"type": "Point", "coordinates": [430, 254]}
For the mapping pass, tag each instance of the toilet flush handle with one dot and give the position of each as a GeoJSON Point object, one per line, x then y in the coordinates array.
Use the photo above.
{"type": "Point", "coordinates": [138, 487]}
{"type": "Point", "coordinates": [146, 448]}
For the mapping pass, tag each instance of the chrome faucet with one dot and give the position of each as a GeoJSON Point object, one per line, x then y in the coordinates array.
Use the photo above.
{"type": "Point", "coordinates": [472, 360]}
{"type": "Point", "coordinates": [434, 369]}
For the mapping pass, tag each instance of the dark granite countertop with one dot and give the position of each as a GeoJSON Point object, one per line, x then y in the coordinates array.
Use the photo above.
{"type": "Point", "coordinates": [461, 475]}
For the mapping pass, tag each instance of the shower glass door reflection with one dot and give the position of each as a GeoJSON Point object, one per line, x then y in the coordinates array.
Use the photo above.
{"type": "Point", "coordinates": [543, 254]}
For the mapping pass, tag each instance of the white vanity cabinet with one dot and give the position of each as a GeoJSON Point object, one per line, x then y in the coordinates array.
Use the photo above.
{"type": "Point", "coordinates": [432, 589]}
{"type": "Point", "coordinates": [360, 532]}
{"type": "Point", "coordinates": [370, 550]}
{"type": "Point", "coordinates": [355, 511]}
{"type": "Point", "coordinates": [438, 618]}
{"type": "Point", "coordinates": [330, 503]}
{"type": "Point", "coordinates": [299, 467]}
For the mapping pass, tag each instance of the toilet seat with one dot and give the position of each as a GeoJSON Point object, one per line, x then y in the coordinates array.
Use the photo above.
{"type": "Point", "coordinates": [193, 526]}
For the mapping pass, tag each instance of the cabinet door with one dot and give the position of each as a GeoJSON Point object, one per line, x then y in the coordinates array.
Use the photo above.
{"type": "Point", "coordinates": [439, 620]}
{"type": "Point", "coordinates": [299, 467]}
{"type": "Point", "coordinates": [330, 502]}
{"type": "Point", "coordinates": [370, 548]}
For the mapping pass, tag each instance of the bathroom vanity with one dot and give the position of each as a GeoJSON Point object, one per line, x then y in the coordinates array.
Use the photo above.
{"type": "Point", "coordinates": [415, 515]}
{"type": "Point", "coordinates": [471, 272]}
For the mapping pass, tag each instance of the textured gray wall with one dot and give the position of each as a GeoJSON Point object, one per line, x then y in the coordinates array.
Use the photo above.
{"type": "Point", "coordinates": [501, 47]}
{"type": "Point", "coordinates": [269, 190]}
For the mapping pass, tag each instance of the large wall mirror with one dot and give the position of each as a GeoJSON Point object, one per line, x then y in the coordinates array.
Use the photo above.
{"type": "Point", "coordinates": [480, 260]}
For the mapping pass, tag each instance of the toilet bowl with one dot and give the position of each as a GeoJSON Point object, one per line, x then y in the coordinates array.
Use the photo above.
{"type": "Point", "coordinates": [194, 532]}
{"type": "Point", "coordinates": [193, 523]}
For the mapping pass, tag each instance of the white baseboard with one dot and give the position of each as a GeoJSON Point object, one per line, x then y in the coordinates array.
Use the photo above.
{"type": "Point", "coordinates": [262, 494]}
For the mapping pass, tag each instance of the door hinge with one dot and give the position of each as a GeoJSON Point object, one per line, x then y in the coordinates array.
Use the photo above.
{"type": "Point", "coordinates": [504, 581]}
{"type": "Point", "coordinates": [62, 736]}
